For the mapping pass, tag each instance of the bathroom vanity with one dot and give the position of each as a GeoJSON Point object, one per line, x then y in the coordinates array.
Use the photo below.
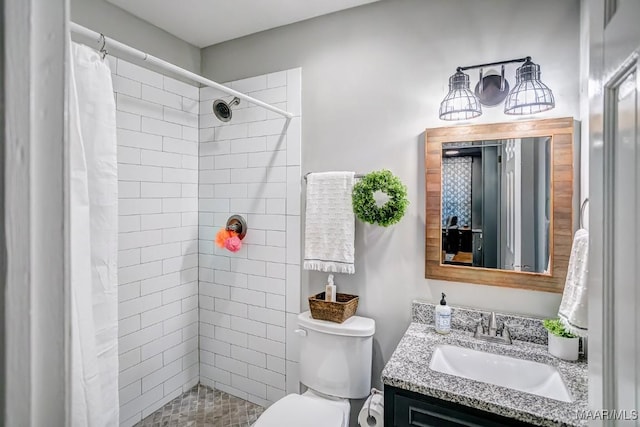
{"type": "Point", "coordinates": [500, 211]}
{"type": "Point", "coordinates": [458, 380]}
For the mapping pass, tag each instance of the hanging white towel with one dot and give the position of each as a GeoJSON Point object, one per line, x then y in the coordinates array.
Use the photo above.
{"type": "Point", "coordinates": [330, 223]}
{"type": "Point", "coordinates": [573, 308]}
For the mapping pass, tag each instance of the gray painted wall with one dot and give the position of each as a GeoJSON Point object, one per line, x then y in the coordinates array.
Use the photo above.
{"type": "Point", "coordinates": [110, 20]}
{"type": "Point", "coordinates": [372, 81]}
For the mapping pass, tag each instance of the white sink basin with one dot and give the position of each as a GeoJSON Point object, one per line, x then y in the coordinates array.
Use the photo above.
{"type": "Point", "coordinates": [523, 375]}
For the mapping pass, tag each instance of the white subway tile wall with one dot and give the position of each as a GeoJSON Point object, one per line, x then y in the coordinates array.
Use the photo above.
{"type": "Point", "coordinates": [157, 124]}
{"type": "Point", "coordinates": [248, 300]}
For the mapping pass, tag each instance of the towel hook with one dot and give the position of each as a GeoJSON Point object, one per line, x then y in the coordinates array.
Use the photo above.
{"type": "Point", "coordinates": [103, 51]}
{"type": "Point", "coordinates": [582, 209]}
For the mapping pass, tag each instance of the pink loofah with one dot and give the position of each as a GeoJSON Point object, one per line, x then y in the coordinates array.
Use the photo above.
{"type": "Point", "coordinates": [233, 243]}
{"type": "Point", "coordinates": [223, 235]}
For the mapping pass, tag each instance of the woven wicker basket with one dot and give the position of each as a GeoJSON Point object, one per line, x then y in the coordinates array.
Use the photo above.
{"type": "Point", "coordinates": [339, 311]}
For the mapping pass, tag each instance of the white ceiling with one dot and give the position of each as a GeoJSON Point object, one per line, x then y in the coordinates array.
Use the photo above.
{"type": "Point", "coordinates": [206, 22]}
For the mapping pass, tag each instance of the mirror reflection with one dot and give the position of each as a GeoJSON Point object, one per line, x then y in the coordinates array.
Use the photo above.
{"type": "Point", "coordinates": [496, 206]}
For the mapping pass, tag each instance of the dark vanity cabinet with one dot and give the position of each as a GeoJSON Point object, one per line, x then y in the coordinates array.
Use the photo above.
{"type": "Point", "coordinates": [404, 408]}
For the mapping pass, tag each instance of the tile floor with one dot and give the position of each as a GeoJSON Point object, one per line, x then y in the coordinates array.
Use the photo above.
{"type": "Point", "coordinates": [204, 407]}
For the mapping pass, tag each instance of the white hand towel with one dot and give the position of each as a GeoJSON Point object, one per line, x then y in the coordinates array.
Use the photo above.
{"type": "Point", "coordinates": [329, 223]}
{"type": "Point", "coordinates": [573, 308]}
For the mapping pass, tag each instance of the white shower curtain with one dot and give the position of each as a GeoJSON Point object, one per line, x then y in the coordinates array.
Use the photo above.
{"type": "Point", "coordinates": [93, 213]}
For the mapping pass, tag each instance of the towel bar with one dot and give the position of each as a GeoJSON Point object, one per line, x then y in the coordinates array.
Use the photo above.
{"type": "Point", "coordinates": [358, 175]}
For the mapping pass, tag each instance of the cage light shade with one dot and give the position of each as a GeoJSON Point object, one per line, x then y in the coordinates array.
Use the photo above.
{"type": "Point", "coordinates": [529, 95]}
{"type": "Point", "coordinates": [460, 103]}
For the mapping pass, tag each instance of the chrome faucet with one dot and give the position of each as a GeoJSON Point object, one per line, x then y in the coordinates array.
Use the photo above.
{"type": "Point", "coordinates": [493, 332]}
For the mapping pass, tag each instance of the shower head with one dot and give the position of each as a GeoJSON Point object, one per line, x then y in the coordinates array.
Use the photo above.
{"type": "Point", "coordinates": [222, 109]}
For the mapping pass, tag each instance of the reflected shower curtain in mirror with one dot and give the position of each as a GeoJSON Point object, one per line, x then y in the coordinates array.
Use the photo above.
{"type": "Point", "coordinates": [93, 210]}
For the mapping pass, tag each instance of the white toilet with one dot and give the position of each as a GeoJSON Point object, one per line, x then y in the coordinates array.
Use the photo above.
{"type": "Point", "coordinates": [335, 365]}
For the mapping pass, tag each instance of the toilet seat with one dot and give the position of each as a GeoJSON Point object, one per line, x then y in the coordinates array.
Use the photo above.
{"type": "Point", "coordinates": [297, 410]}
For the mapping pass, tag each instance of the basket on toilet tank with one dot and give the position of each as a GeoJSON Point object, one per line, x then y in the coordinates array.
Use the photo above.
{"type": "Point", "coordinates": [345, 306]}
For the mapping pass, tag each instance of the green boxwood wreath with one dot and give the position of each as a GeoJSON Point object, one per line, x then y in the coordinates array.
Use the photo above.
{"type": "Point", "coordinates": [364, 205]}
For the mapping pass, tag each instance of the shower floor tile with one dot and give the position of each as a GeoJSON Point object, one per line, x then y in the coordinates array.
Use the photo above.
{"type": "Point", "coordinates": [204, 407]}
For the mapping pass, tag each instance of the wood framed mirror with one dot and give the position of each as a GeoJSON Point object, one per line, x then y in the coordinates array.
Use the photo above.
{"type": "Point", "coordinates": [500, 205]}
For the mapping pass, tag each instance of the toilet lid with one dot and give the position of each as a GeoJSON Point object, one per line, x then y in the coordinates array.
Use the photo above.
{"type": "Point", "coordinates": [295, 410]}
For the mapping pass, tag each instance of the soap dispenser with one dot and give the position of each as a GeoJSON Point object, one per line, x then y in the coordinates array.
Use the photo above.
{"type": "Point", "coordinates": [443, 316]}
{"type": "Point", "coordinates": [330, 291]}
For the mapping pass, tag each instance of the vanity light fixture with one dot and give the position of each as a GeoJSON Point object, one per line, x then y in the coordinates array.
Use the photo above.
{"type": "Point", "coordinates": [528, 96]}
{"type": "Point", "coordinates": [460, 103]}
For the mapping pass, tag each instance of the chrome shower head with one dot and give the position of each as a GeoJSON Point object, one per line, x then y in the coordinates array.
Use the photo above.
{"type": "Point", "coordinates": [222, 109]}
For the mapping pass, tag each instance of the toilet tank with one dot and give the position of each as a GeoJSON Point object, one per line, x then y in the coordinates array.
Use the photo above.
{"type": "Point", "coordinates": [335, 358]}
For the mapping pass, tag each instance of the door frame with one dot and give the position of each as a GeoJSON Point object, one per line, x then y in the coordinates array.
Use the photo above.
{"type": "Point", "coordinates": [602, 373]}
{"type": "Point", "coordinates": [36, 329]}
{"type": "Point", "coordinates": [597, 311]}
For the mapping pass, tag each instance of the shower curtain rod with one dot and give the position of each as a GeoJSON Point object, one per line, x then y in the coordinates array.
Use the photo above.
{"type": "Point", "coordinates": [135, 53]}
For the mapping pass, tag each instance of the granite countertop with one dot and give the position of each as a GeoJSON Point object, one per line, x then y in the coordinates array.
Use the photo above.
{"type": "Point", "coordinates": [409, 369]}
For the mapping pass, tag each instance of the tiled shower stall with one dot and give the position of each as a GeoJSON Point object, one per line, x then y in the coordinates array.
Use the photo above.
{"type": "Point", "coordinates": [251, 166]}
{"type": "Point", "coordinates": [190, 312]}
